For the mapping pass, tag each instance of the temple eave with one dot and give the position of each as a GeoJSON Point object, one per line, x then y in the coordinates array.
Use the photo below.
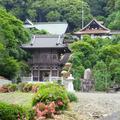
{"type": "Point", "coordinates": [92, 32]}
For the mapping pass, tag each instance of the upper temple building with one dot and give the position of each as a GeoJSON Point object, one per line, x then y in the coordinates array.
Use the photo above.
{"type": "Point", "coordinates": [94, 29]}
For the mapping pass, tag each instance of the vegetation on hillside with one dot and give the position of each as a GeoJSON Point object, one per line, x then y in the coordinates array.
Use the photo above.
{"type": "Point", "coordinates": [66, 10]}
{"type": "Point", "coordinates": [12, 36]}
{"type": "Point", "coordinates": [101, 55]}
{"type": "Point", "coordinates": [49, 10]}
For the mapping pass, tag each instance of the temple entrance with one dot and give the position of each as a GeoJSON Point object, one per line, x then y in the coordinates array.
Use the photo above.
{"type": "Point", "coordinates": [44, 75]}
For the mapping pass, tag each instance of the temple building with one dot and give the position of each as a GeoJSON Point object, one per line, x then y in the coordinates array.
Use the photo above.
{"type": "Point", "coordinates": [49, 55]}
{"type": "Point", "coordinates": [94, 29]}
{"type": "Point", "coordinates": [48, 52]}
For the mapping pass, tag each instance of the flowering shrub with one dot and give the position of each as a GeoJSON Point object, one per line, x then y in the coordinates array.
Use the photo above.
{"type": "Point", "coordinates": [47, 110]}
{"type": "Point", "coordinates": [51, 92]}
{"type": "Point", "coordinates": [43, 110]}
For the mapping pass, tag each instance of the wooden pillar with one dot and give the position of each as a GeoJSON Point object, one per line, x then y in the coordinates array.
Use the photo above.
{"type": "Point", "coordinates": [32, 74]}
{"type": "Point", "coordinates": [39, 73]}
{"type": "Point", "coordinates": [50, 75]}
{"type": "Point", "coordinates": [58, 72]}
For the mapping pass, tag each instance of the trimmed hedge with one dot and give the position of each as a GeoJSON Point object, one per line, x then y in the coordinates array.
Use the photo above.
{"type": "Point", "coordinates": [50, 92]}
{"type": "Point", "coordinates": [72, 97]}
{"type": "Point", "coordinates": [14, 112]}
{"type": "Point", "coordinates": [23, 87]}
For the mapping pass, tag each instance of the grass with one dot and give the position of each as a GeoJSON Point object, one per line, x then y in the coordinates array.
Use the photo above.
{"type": "Point", "coordinates": [23, 99]}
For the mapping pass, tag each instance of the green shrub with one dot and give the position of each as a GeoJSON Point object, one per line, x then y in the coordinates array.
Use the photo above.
{"type": "Point", "coordinates": [27, 87]}
{"type": "Point", "coordinates": [59, 82]}
{"type": "Point", "coordinates": [31, 114]}
{"type": "Point", "coordinates": [50, 92]}
{"type": "Point", "coordinates": [13, 112]}
{"type": "Point", "coordinates": [35, 87]}
{"type": "Point", "coordinates": [3, 89]}
{"type": "Point", "coordinates": [12, 87]}
{"type": "Point", "coordinates": [72, 97]}
{"type": "Point", "coordinates": [21, 86]}
{"type": "Point", "coordinates": [100, 85]}
{"type": "Point", "coordinates": [101, 76]}
{"type": "Point", "coordinates": [77, 84]}
{"type": "Point", "coordinates": [8, 88]}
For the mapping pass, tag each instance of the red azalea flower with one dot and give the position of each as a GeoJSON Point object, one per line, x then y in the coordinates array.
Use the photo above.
{"type": "Point", "coordinates": [60, 103]}
{"type": "Point", "coordinates": [52, 110]}
{"type": "Point", "coordinates": [39, 113]}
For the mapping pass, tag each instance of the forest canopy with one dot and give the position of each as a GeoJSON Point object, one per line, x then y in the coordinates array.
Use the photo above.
{"type": "Point", "coordinates": [49, 10]}
{"type": "Point", "coordinates": [66, 10]}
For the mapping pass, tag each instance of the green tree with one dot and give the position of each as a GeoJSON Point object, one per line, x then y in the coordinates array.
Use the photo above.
{"type": "Point", "coordinates": [12, 36]}
{"type": "Point", "coordinates": [114, 23]}
{"type": "Point", "coordinates": [53, 16]}
{"type": "Point", "coordinates": [102, 76]}
{"type": "Point", "coordinates": [114, 68]}
{"type": "Point", "coordinates": [107, 53]}
{"type": "Point", "coordinates": [10, 68]}
{"type": "Point", "coordinates": [97, 7]}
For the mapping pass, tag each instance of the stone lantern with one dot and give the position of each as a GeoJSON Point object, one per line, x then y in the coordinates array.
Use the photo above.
{"type": "Point", "coordinates": [69, 83]}
{"type": "Point", "coordinates": [68, 64]}
{"type": "Point", "coordinates": [64, 73]}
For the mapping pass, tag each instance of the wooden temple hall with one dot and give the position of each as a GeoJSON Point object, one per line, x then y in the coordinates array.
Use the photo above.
{"type": "Point", "coordinates": [94, 29]}
{"type": "Point", "coordinates": [48, 55]}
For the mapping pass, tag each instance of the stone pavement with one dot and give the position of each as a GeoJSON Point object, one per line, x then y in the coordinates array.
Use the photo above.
{"type": "Point", "coordinates": [114, 116]}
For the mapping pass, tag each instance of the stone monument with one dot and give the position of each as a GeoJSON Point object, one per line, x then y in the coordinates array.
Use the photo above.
{"type": "Point", "coordinates": [87, 82]}
{"type": "Point", "coordinates": [88, 74]}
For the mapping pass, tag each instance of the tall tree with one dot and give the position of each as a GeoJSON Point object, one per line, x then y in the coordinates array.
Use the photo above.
{"type": "Point", "coordinates": [12, 35]}
{"type": "Point", "coordinates": [98, 7]}
{"type": "Point", "coordinates": [113, 9]}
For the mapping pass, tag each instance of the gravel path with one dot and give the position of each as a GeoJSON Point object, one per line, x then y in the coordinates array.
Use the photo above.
{"type": "Point", "coordinates": [98, 106]}
{"type": "Point", "coordinates": [114, 116]}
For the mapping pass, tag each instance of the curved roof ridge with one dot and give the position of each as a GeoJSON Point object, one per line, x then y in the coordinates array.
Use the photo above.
{"type": "Point", "coordinates": [97, 23]}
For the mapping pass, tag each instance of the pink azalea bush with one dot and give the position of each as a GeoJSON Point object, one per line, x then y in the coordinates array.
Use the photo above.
{"type": "Point", "coordinates": [50, 100]}
{"type": "Point", "coordinates": [46, 111]}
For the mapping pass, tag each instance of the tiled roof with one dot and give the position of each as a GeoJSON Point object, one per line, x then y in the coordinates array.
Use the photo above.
{"type": "Point", "coordinates": [55, 28]}
{"type": "Point", "coordinates": [94, 27]}
{"type": "Point", "coordinates": [45, 41]}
